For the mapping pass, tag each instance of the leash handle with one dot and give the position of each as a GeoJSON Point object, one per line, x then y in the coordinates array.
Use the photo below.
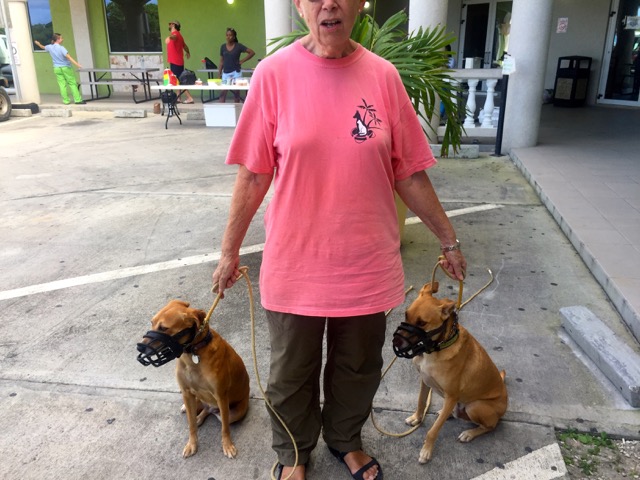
{"type": "Point", "coordinates": [459, 304]}
{"type": "Point", "coordinates": [460, 282]}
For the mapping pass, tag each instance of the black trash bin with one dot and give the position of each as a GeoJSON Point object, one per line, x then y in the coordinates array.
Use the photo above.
{"type": "Point", "coordinates": [572, 80]}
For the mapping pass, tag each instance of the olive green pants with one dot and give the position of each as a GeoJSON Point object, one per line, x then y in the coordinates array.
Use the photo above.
{"type": "Point", "coordinates": [351, 378]}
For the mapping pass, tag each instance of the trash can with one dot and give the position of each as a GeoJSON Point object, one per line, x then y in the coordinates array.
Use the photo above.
{"type": "Point", "coordinates": [572, 80]}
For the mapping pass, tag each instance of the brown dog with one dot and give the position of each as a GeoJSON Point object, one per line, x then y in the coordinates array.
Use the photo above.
{"type": "Point", "coordinates": [211, 375]}
{"type": "Point", "coordinates": [454, 365]}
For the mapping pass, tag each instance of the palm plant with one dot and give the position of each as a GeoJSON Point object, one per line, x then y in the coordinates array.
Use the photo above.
{"type": "Point", "coordinates": [420, 58]}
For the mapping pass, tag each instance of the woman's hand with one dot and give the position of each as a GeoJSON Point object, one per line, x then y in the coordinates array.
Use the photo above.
{"type": "Point", "coordinates": [455, 263]}
{"type": "Point", "coordinates": [226, 273]}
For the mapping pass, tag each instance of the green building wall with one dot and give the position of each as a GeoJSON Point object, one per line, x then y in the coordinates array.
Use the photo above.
{"type": "Point", "coordinates": [204, 23]}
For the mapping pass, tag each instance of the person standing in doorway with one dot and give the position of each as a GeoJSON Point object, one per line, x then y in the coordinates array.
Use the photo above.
{"type": "Point", "coordinates": [176, 48]}
{"type": "Point", "coordinates": [230, 62]}
{"type": "Point", "coordinates": [65, 75]}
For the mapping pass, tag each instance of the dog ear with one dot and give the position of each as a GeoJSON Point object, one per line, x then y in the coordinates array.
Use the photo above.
{"type": "Point", "coordinates": [429, 288]}
{"type": "Point", "coordinates": [446, 308]}
{"type": "Point", "coordinates": [200, 316]}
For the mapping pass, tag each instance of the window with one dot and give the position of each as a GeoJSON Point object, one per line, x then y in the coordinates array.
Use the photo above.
{"type": "Point", "coordinates": [40, 21]}
{"type": "Point", "coordinates": [133, 26]}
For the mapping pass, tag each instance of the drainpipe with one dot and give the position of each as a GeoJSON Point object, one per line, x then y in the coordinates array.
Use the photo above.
{"type": "Point", "coordinates": [17, 28]}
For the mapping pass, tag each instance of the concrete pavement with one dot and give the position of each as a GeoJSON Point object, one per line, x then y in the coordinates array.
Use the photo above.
{"type": "Point", "coordinates": [104, 220]}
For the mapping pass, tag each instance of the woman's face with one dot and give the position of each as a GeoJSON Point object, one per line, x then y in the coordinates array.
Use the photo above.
{"type": "Point", "coordinates": [330, 23]}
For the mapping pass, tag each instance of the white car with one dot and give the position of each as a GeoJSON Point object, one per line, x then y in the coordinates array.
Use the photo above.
{"type": "Point", "coordinates": [5, 60]}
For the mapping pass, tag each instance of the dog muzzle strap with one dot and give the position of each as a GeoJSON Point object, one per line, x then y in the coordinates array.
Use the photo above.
{"type": "Point", "coordinates": [411, 341]}
{"type": "Point", "coordinates": [162, 348]}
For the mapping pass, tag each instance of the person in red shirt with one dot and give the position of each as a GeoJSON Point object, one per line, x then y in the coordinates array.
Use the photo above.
{"type": "Point", "coordinates": [176, 46]}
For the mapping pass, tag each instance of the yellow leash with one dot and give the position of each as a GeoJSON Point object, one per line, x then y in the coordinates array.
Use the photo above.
{"type": "Point", "coordinates": [459, 306]}
{"type": "Point", "coordinates": [243, 273]}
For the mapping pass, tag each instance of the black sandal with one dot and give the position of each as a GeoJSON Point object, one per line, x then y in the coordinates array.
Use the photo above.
{"type": "Point", "coordinates": [280, 469]}
{"type": "Point", "coordinates": [359, 475]}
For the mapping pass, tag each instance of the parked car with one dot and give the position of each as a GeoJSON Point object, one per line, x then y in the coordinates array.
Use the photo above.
{"type": "Point", "coordinates": [5, 59]}
{"type": "Point", "coordinates": [5, 101]}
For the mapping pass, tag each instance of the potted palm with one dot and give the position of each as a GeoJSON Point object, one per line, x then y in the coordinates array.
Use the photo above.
{"type": "Point", "coordinates": [420, 58]}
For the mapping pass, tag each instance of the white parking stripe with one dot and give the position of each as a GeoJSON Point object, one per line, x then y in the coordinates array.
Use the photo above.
{"type": "Point", "coordinates": [121, 273]}
{"type": "Point", "coordinates": [182, 262]}
{"type": "Point", "coordinates": [458, 212]}
{"type": "Point", "coordinates": [546, 463]}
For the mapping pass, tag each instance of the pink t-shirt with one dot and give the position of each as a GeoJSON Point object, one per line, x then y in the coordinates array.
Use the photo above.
{"type": "Point", "coordinates": [337, 133]}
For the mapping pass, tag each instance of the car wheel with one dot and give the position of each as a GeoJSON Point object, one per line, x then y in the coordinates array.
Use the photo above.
{"type": "Point", "coordinates": [5, 105]}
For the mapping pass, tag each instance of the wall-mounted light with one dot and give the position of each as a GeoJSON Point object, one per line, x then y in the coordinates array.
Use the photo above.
{"type": "Point", "coordinates": [367, 5]}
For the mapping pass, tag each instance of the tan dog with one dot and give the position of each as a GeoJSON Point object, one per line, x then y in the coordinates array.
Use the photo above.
{"type": "Point", "coordinates": [211, 375]}
{"type": "Point", "coordinates": [458, 369]}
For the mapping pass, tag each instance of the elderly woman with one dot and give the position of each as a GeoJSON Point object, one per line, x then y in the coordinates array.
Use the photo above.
{"type": "Point", "coordinates": [331, 125]}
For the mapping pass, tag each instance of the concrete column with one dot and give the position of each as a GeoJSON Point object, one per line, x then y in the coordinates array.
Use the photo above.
{"type": "Point", "coordinates": [81, 36]}
{"type": "Point", "coordinates": [427, 13]}
{"type": "Point", "coordinates": [529, 45]}
{"type": "Point", "coordinates": [19, 33]}
{"type": "Point", "coordinates": [277, 19]}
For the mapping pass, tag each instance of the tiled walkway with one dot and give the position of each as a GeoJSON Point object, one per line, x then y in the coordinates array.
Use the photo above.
{"type": "Point", "coordinates": [586, 169]}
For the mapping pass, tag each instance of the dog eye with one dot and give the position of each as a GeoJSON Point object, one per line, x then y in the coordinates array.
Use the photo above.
{"type": "Point", "coordinates": [421, 323]}
{"type": "Point", "coordinates": [162, 329]}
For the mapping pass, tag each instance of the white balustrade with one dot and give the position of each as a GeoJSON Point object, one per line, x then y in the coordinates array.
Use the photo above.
{"type": "Point", "coordinates": [472, 76]}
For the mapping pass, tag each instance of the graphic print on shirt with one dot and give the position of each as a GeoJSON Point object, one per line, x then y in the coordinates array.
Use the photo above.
{"type": "Point", "coordinates": [365, 122]}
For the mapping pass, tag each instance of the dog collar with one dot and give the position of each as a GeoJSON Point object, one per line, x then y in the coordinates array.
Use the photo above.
{"type": "Point", "coordinates": [450, 341]}
{"type": "Point", "coordinates": [193, 348]}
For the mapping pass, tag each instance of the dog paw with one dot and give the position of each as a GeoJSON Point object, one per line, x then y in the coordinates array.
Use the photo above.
{"type": "Point", "coordinates": [229, 450]}
{"type": "Point", "coordinates": [469, 435]}
{"type": "Point", "coordinates": [413, 420]}
{"type": "Point", "coordinates": [190, 449]}
{"type": "Point", "coordinates": [425, 455]}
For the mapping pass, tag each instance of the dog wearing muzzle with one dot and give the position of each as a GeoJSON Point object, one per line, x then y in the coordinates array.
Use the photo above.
{"type": "Point", "coordinates": [452, 362]}
{"type": "Point", "coordinates": [210, 373]}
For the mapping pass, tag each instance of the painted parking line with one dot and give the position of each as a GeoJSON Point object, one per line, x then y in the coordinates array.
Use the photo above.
{"type": "Point", "coordinates": [171, 264]}
{"type": "Point", "coordinates": [546, 463]}
{"type": "Point", "coordinates": [121, 273]}
{"type": "Point", "coordinates": [458, 212]}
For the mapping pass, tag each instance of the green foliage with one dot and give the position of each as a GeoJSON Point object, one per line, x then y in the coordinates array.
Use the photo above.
{"type": "Point", "coordinates": [421, 60]}
{"type": "Point", "coordinates": [597, 440]}
{"type": "Point", "coordinates": [42, 32]}
{"type": "Point", "coordinates": [587, 463]}
{"type": "Point", "coordinates": [125, 20]}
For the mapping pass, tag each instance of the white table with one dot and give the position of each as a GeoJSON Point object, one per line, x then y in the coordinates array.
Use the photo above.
{"type": "Point", "coordinates": [215, 114]}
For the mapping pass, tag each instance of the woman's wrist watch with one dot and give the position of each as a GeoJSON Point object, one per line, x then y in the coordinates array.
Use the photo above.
{"type": "Point", "coordinates": [450, 248]}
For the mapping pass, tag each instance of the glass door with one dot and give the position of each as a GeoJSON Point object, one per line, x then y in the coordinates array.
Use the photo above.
{"type": "Point", "coordinates": [620, 76]}
{"type": "Point", "coordinates": [485, 32]}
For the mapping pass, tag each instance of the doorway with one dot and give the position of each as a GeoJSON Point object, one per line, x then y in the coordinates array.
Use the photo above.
{"type": "Point", "coordinates": [620, 76]}
{"type": "Point", "coordinates": [485, 31]}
